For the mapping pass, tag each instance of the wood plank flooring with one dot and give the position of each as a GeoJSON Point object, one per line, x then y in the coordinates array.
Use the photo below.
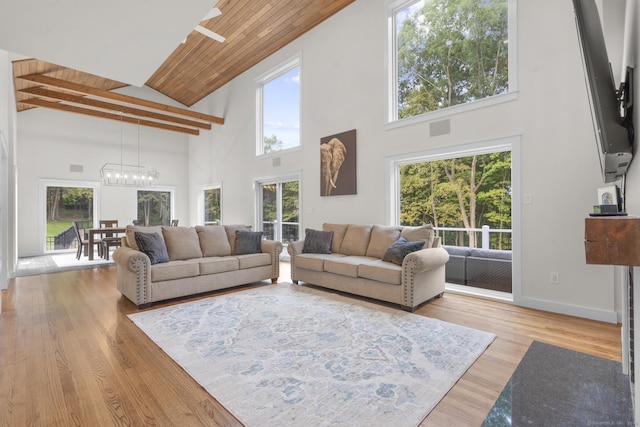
{"type": "Point", "coordinates": [69, 356]}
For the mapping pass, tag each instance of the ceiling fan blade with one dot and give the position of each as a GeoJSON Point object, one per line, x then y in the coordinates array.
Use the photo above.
{"type": "Point", "coordinates": [207, 32]}
{"type": "Point", "coordinates": [212, 14]}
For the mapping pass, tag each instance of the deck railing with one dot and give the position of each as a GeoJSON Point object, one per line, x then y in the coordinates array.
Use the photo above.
{"type": "Point", "coordinates": [452, 235]}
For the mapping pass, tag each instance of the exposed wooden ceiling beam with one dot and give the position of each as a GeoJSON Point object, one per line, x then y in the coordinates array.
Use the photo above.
{"type": "Point", "coordinates": [119, 108]}
{"type": "Point", "coordinates": [73, 109]}
{"type": "Point", "coordinates": [101, 93]}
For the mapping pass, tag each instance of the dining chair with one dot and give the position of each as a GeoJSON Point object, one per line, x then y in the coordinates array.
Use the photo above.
{"type": "Point", "coordinates": [109, 240]}
{"type": "Point", "coordinates": [82, 243]}
{"type": "Point", "coordinates": [83, 240]}
{"type": "Point", "coordinates": [174, 222]}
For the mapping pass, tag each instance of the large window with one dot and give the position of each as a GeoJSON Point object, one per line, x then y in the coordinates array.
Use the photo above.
{"type": "Point", "coordinates": [278, 108]}
{"type": "Point", "coordinates": [463, 197]}
{"type": "Point", "coordinates": [467, 193]}
{"type": "Point", "coordinates": [154, 207]}
{"type": "Point", "coordinates": [66, 205]}
{"type": "Point", "coordinates": [447, 53]}
{"type": "Point", "coordinates": [61, 204]}
{"type": "Point", "coordinates": [212, 205]}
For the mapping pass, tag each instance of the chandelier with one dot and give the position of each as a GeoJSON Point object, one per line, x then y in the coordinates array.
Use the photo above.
{"type": "Point", "coordinates": [121, 174]}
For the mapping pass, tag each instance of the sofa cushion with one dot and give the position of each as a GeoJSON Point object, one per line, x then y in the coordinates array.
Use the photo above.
{"type": "Point", "coordinates": [174, 270]}
{"type": "Point", "coordinates": [491, 253]}
{"type": "Point", "coordinates": [152, 244]}
{"type": "Point", "coordinates": [356, 240]}
{"type": "Point", "coordinates": [182, 243]}
{"type": "Point", "coordinates": [212, 265]}
{"type": "Point", "coordinates": [345, 266]}
{"type": "Point", "coordinates": [423, 232]}
{"type": "Point", "coordinates": [381, 271]}
{"type": "Point", "coordinates": [338, 235]}
{"type": "Point", "coordinates": [313, 262]}
{"type": "Point", "coordinates": [382, 237]}
{"type": "Point", "coordinates": [248, 242]}
{"type": "Point", "coordinates": [317, 242]}
{"type": "Point", "coordinates": [213, 240]}
{"type": "Point", "coordinates": [400, 249]}
{"type": "Point", "coordinates": [458, 250]}
{"type": "Point", "coordinates": [253, 260]}
{"type": "Point", "coordinates": [231, 234]}
{"type": "Point", "coordinates": [130, 230]}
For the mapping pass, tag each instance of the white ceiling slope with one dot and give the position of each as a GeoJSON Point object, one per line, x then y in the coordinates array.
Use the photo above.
{"type": "Point", "coordinates": [123, 40]}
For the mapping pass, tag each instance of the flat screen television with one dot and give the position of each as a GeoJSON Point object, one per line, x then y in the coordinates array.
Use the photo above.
{"type": "Point", "coordinates": [611, 109]}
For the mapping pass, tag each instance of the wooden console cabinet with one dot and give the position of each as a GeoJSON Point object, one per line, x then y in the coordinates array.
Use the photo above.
{"type": "Point", "coordinates": [616, 241]}
{"type": "Point", "coordinates": [612, 240]}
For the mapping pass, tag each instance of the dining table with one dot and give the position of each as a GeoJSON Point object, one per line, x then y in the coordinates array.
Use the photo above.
{"type": "Point", "coordinates": [91, 233]}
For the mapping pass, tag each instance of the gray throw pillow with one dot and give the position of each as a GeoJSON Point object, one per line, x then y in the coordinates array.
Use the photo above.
{"type": "Point", "coordinates": [248, 242]}
{"type": "Point", "coordinates": [317, 242]}
{"type": "Point", "coordinates": [153, 245]}
{"type": "Point", "coordinates": [400, 249]}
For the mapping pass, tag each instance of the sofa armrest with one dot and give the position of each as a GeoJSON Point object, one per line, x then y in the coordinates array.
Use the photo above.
{"type": "Point", "coordinates": [425, 259]}
{"type": "Point", "coordinates": [274, 248]}
{"type": "Point", "coordinates": [295, 248]}
{"type": "Point", "coordinates": [134, 275]}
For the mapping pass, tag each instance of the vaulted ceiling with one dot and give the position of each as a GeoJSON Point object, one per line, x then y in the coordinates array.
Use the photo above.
{"type": "Point", "coordinates": [252, 30]}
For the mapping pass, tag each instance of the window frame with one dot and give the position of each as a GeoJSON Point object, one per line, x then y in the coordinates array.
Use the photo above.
{"type": "Point", "coordinates": [42, 221]}
{"type": "Point", "coordinates": [201, 201]}
{"type": "Point", "coordinates": [509, 143]}
{"type": "Point", "coordinates": [260, 82]}
{"type": "Point", "coordinates": [279, 179]}
{"type": "Point", "coordinates": [392, 120]}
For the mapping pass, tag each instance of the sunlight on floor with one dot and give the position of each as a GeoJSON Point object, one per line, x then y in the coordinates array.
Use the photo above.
{"type": "Point", "coordinates": [56, 262]}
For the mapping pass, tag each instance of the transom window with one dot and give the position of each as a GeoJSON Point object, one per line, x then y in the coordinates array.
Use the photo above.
{"type": "Point", "coordinates": [278, 108]}
{"type": "Point", "coordinates": [448, 53]}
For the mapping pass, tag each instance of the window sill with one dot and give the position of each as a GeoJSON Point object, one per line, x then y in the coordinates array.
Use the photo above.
{"type": "Point", "coordinates": [450, 111]}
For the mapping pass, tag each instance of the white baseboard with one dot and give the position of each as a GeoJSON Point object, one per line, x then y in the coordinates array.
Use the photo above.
{"type": "Point", "coordinates": [570, 310]}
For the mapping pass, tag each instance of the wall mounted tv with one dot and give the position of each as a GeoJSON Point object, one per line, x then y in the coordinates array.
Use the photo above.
{"type": "Point", "coordinates": [611, 109]}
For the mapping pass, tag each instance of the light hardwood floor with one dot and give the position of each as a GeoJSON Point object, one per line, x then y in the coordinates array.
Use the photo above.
{"type": "Point", "coordinates": [69, 356]}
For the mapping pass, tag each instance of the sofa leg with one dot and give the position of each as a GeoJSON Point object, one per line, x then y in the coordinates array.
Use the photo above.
{"type": "Point", "coordinates": [407, 308]}
{"type": "Point", "coordinates": [295, 282]}
{"type": "Point", "coordinates": [274, 281]}
{"type": "Point", "coordinates": [145, 305]}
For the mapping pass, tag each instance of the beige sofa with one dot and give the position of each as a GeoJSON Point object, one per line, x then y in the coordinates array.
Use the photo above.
{"type": "Point", "coordinates": [200, 259]}
{"type": "Point", "coordinates": [355, 264]}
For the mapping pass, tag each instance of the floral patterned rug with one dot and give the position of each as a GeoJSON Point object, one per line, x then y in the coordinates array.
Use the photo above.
{"type": "Point", "coordinates": [289, 355]}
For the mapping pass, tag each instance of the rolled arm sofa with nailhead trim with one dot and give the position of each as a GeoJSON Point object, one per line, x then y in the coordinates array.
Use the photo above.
{"type": "Point", "coordinates": [357, 263]}
{"type": "Point", "coordinates": [199, 259]}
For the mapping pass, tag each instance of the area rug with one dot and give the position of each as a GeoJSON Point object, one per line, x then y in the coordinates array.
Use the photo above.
{"type": "Point", "coordinates": [288, 355]}
{"type": "Point", "coordinates": [554, 386]}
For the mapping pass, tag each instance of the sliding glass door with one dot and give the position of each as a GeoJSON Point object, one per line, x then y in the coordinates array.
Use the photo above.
{"type": "Point", "coordinates": [66, 202]}
{"type": "Point", "coordinates": [279, 209]}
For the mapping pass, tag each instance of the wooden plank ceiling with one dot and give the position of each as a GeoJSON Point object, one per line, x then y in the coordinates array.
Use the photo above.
{"type": "Point", "coordinates": [253, 30]}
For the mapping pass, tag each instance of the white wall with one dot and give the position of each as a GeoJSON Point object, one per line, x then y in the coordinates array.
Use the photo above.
{"type": "Point", "coordinates": [7, 106]}
{"type": "Point", "coordinates": [344, 87]}
{"type": "Point", "coordinates": [50, 141]}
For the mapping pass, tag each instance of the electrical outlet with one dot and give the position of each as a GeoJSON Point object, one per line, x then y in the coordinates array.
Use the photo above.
{"type": "Point", "coordinates": [555, 277]}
